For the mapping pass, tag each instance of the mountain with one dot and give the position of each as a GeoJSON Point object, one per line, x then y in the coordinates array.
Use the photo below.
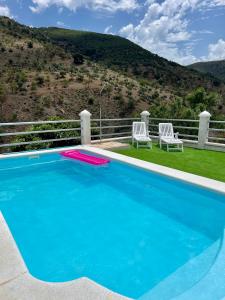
{"type": "Point", "coordinates": [215, 68]}
{"type": "Point", "coordinates": [122, 55]}
{"type": "Point", "coordinates": [47, 72]}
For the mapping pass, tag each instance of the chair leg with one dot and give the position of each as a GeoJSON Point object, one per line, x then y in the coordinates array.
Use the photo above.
{"type": "Point", "coordinates": [137, 144]}
{"type": "Point", "coordinates": [160, 144]}
{"type": "Point", "coordinates": [167, 147]}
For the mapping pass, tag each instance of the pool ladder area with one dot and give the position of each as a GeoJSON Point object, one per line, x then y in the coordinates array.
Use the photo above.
{"type": "Point", "coordinates": [201, 278]}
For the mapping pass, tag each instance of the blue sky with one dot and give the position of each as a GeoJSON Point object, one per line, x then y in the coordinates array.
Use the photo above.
{"type": "Point", "coordinates": [184, 31]}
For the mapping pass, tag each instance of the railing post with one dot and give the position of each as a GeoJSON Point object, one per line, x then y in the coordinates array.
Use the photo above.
{"type": "Point", "coordinates": [203, 130]}
{"type": "Point", "coordinates": [145, 118]}
{"type": "Point", "coordinates": [85, 124]}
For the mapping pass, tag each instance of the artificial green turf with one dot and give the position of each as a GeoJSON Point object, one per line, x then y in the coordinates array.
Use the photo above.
{"type": "Point", "coordinates": [206, 163]}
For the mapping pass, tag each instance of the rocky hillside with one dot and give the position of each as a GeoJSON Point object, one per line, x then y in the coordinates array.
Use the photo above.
{"type": "Point", "coordinates": [122, 55]}
{"type": "Point", "coordinates": [55, 72]}
{"type": "Point", "coordinates": [215, 68]}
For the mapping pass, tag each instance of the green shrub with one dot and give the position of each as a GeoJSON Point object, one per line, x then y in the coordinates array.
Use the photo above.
{"type": "Point", "coordinates": [48, 135]}
{"type": "Point", "coordinates": [29, 45]}
{"type": "Point", "coordinates": [40, 80]}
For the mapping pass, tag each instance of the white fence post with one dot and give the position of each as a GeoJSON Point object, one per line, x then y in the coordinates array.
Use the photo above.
{"type": "Point", "coordinates": [85, 124]}
{"type": "Point", "coordinates": [203, 130]}
{"type": "Point", "coordinates": [145, 118]}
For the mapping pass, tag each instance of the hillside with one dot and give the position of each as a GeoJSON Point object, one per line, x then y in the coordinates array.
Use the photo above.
{"type": "Point", "coordinates": [55, 72]}
{"type": "Point", "coordinates": [123, 55]}
{"type": "Point", "coordinates": [215, 68]}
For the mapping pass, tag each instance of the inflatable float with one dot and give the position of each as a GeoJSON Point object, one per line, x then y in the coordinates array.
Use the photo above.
{"type": "Point", "coordinates": [93, 160]}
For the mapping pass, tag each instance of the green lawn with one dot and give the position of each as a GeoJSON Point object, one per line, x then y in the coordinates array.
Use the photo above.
{"type": "Point", "coordinates": [206, 163]}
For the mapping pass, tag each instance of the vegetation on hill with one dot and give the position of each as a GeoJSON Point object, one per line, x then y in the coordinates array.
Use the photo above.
{"type": "Point", "coordinates": [56, 72]}
{"type": "Point", "coordinates": [215, 68]}
{"type": "Point", "coordinates": [190, 106]}
{"type": "Point", "coordinates": [122, 55]}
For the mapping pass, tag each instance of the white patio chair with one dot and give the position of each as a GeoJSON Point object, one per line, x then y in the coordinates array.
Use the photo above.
{"type": "Point", "coordinates": [168, 137]}
{"type": "Point", "coordinates": [140, 134]}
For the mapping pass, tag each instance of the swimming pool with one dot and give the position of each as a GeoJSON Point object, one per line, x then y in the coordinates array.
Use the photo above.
{"type": "Point", "coordinates": [125, 228]}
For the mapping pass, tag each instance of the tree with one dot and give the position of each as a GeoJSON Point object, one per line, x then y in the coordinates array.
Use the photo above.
{"type": "Point", "coordinates": [78, 59]}
{"type": "Point", "coordinates": [29, 45]}
{"type": "Point", "coordinates": [200, 97]}
{"type": "Point", "coordinates": [21, 79]}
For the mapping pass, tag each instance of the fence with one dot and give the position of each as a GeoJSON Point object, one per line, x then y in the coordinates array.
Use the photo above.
{"type": "Point", "coordinates": [202, 133]}
{"type": "Point", "coordinates": [15, 136]}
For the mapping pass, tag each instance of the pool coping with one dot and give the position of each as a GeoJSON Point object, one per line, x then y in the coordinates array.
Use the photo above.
{"type": "Point", "coordinates": [15, 280]}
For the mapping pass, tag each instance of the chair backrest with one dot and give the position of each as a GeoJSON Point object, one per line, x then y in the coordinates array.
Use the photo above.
{"type": "Point", "coordinates": [166, 130]}
{"type": "Point", "coordinates": [139, 129]}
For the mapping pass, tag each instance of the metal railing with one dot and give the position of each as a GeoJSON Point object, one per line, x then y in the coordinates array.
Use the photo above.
{"type": "Point", "coordinates": [216, 132]}
{"type": "Point", "coordinates": [188, 130]}
{"type": "Point", "coordinates": [115, 128]}
{"type": "Point", "coordinates": [110, 128]}
{"type": "Point", "coordinates": [18, 136]}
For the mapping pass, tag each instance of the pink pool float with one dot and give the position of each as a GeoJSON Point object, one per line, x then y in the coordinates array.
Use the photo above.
{"type": "Point", "coordinates": [93, 160]}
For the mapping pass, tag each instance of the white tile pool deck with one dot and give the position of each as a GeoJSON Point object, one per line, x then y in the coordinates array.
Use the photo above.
{"type": "Point", "coordinates": [16, 283]}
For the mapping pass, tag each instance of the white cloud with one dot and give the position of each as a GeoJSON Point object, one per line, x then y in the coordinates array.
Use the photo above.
{"type": "Point", "coordinates": [108, 30]}
{"type": "Point", "coordinates": [5, 11]}
{"type": "Point", "coordinates": [59, 23]}
{"type": "Point", "coordinates": [208, 4]}
{"type": "Point", "coordinates": [108, 5]}
{"type": "Point", "coordinates": [165, 26]}
{"type": "Point", "coordinates": [217, 50]}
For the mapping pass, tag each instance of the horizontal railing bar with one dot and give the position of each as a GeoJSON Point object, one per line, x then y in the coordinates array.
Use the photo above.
{"type": "Point", "coordinates": [188, 135]}
{"type": "Point", "coordinates": [38, 122]}
{"type": "Point", "coordinates": [180, 120]}
{"type": "Point", "coordinates": [178, 127]}
{"type": "Point", "coordinates": [107, 127]}
{"type": "Point", "coordinates": [38, 131]}
{"type": "Point", "coordinates": [111, 139]}
{"type": "Point", "coordinates": [180, 134]}
{"type": "Point", "coordinates": [216, 129]}
{"type": "Point", "coordinates": [108, 120]}
{"type": "Point", "coordinates": [217, 122]}
{"type": "Point", "coordinates": [185, 127]}
{"type": "Point", "coordinates": [110, 134]}
{"type": "Point", "coordinates": [190, 141]}
{"type": "Point", "coordinates": [39, 142]}
{"type": "Point", "coordinates": [215, 144]}
{"type": "Point", "coordinates": [216, 138]}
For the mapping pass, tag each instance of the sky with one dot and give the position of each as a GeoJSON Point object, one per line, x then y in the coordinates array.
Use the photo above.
{"type": "Point", "coordinates": [185, 31]}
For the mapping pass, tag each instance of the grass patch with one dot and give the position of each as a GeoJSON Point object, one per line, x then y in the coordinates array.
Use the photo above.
{"type": "Point", "coordinates": [205, 163]}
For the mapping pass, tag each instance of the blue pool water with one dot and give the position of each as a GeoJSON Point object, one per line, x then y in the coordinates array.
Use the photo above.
{"type": "Point", "coordinates": [123, 227]}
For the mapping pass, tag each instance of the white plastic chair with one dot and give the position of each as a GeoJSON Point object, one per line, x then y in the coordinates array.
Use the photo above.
{"type": "Point", "coordinates": [140, 134]}
{"type": "Point", "coordinates": [168, 137]}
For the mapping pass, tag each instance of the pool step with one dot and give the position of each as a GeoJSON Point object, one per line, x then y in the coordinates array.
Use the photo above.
{"type": "Point", "coordinates": [185, 277]}
{"type": "Point", "coordinates": [212, 286]}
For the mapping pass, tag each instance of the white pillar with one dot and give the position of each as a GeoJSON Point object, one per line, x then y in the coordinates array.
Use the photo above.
{"type": "Point", "coordinates": [145, 118]}
{"type": "Point", "coordinates": [203, 130]}
{"type": "Point", "coordinates": [85, 124]}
